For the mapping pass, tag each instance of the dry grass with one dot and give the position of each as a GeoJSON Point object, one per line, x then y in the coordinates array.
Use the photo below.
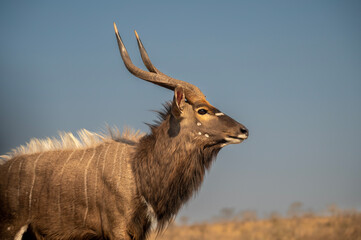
{"type": "Point", "coordinates": [341, 226]}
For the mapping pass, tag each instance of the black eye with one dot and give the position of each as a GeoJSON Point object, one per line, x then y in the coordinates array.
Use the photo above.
{"type": "Point", "coordinates": [202, 111]}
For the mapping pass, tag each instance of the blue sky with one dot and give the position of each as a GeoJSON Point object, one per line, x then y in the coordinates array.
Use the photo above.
{"type": "Point", "coordinates": [288, 70]}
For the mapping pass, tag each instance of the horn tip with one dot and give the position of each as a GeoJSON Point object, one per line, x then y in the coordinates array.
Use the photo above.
{"type": "Point", "coordinates": [115, 28]}
{"type": "Point", "coordinates": [136, 34]}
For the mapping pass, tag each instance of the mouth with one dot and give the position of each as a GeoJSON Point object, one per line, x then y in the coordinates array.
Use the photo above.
{"type": "Point", "coordinates": [229, 140]}
{"type": "Point", "coordinates": [235, 139]}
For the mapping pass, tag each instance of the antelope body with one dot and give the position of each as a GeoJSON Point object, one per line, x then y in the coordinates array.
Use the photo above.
{"type": "Point", "coordinates": [115, 187]}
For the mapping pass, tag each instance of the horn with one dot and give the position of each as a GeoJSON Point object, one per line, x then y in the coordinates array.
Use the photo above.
{"type": "Point", "coordinates": [192, 93]}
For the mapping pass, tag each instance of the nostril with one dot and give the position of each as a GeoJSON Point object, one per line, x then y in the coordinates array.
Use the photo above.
{"type": "Point", "coordinates": [244, 130]}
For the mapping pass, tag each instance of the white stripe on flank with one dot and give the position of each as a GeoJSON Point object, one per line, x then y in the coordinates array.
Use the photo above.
{"type": "Point", "coordinates": [105, 155]}
{"type": "Point", "coordinates": [61, 177]}
{"type": "Point", "coordinates": [67, 160]}
{"type": "Point", "coordinates": [104, 161]}
{"type": "Point", "coordinates": [75, 190]}
{"type": "Point", "coordinates": [33, 182]}
{"type": "Point", "coordinates": [11, 164]}
{"type": "Point", "coordinates": [85, 186]}
{"type": "Point", "coordinates": [120, 168]}
{"type": "Point", "coordinates": [20, 165]}
{"type": "Point", "coordinates": [96, 177]}
{"type": "Point", "coordinates": [115, 159]}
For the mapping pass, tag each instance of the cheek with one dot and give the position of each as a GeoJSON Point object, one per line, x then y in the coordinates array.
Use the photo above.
{"type": "Point", "coordinates": [214, 125]}
{"type": "Point", "coordinates": [209, 125]}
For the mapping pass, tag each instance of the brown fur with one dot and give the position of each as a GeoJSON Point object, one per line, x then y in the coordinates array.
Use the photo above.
{"type": "Point", "coordinates": [114, 188]}
{"type": "Point", "coordinates": [61, 193]}
{"type": "Point", "coordinates": [103, 191]}
{"type": "Point", "coordinates": [179, 162]}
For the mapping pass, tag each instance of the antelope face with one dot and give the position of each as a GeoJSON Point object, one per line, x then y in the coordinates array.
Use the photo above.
{"type": "Point", "coordinates": [189, 107]}
{"type": "Point", "coordinates": [217, 126]}
{"type": "Point", "coordinates": [206, 122]}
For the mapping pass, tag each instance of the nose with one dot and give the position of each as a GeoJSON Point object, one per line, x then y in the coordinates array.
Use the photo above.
{"type": "Point", "coordinates": [244, 131]}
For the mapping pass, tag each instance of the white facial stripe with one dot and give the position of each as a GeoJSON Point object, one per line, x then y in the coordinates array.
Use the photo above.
{"type": "Point", "coordinates": [219, 114]}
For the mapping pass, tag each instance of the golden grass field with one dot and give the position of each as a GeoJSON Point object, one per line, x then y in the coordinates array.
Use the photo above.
{"type": "Point", "coordinates": [341, 226]}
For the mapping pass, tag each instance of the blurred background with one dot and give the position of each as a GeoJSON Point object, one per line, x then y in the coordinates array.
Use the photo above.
{"type": "Point", "coordinates": [288, 70]}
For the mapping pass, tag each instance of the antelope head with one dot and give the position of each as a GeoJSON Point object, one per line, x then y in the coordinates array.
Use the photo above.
{"type": "Point", "coordinates": [190, 109]}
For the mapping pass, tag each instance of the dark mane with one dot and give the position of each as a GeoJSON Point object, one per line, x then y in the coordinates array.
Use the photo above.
{"type": "Point", "coordinates": [161, 116]}
{"type": "Point", "coordinates": [179, 170]}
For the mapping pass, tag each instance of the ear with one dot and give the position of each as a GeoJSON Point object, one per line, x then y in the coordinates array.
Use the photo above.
{"type": "Point", "coordinates": [178, 102]}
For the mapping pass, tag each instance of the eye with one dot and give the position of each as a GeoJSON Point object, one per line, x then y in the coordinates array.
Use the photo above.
{"type": "Point", "coordinates": [202, 111]}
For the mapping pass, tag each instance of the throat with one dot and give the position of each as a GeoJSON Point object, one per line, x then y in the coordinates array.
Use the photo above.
{"type": "Point", "coordinates": [168, 172]}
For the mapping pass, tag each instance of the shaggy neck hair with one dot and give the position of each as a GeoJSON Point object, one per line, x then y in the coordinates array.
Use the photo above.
{"type": "Point", "coordinates": [170, 166]}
